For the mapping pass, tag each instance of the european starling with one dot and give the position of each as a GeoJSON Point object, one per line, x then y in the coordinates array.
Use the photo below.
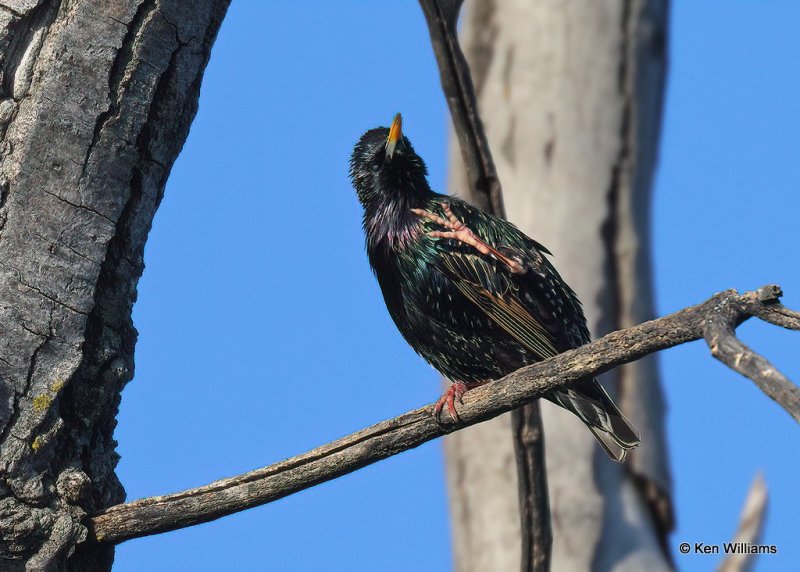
{"type": "Point", "coordinates": [468, 291]}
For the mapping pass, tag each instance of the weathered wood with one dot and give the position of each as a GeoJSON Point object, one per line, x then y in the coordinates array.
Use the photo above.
{"type": "Point", "coordinates": [96, 98]}
{"type": "Point", "coordinates": [751, 526]}
{"type": "Point", "coordinates": [485, 191]}
{"type": "Point", "coordinates": [159, 514]}
{"type": "Point", "coordinates": [570, 94]}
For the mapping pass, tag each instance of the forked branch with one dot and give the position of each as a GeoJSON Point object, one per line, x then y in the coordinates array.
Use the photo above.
{"type": "Point", "coordinates": [715, 320]}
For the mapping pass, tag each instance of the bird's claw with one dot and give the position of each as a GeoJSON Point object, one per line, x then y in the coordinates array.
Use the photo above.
{"type": "Point", "coordinates": [455, 392]}
{"type": "Point", "coordinates": [462, 233]}
{"type": "Point", "coordinates": [458, 230]}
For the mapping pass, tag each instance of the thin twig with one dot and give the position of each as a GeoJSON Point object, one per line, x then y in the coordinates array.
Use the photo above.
{"type": "Point", "coordinates": [159, 514]}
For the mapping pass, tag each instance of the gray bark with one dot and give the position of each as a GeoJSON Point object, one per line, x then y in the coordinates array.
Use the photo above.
{"type": "Point", "coordinates": [96, 99]}
{"type": "Point", "coordinates": [571, 94]}
{"type": "Point", "coordinates": [485, 191]}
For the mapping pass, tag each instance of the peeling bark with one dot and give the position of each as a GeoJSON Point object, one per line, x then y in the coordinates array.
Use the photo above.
{"type": "Point", "coordinates": [96, 99]}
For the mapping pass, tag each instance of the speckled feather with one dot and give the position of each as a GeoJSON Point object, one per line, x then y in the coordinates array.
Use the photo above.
{"type": "Point", "coordinates": [465, 312]}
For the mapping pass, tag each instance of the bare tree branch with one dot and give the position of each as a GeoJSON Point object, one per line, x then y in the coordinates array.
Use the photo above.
{"type": "Point", "coordinates": [442, 18]}
{"type": "Point", "coordinates": [163, 513]}
{"type": "Point", "coordinates": [732, 352]}
{"type": "Point", "coordinates": [527, 429]}
{"type": "Point", "coordinates": [751, 524]}
{"type": "Point", "coordinates": [534, 500]}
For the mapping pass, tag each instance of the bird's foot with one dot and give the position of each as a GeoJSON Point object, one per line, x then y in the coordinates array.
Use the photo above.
{"type": "Point", "coordinates": [462, 233]}
{"type": "Point", "coordinates": [455, 392]}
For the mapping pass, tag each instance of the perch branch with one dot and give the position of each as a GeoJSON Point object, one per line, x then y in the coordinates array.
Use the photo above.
{"type": "Point", "coordinates": [163, 513]}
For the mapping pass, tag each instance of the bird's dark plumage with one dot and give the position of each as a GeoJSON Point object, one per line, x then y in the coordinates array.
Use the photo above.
{"type": "Point", "coordinates": [475, 308]}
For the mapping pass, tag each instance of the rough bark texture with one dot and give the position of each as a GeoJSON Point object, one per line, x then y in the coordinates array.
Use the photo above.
{"type": "Point", "coordinates": [570, 94]}
{"type": "Point", "coordinates": [96, 99]}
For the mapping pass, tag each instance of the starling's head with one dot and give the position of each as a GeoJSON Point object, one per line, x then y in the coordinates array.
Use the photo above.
{"type": "Point", "coordinates": [385, 165]}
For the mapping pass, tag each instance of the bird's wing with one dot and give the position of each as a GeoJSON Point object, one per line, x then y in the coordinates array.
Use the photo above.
{"type": "Point", "coordinates": [498, 296]}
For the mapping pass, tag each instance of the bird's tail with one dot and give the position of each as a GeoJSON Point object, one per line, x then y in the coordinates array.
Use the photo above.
{"type": "Point", "coordinates": [589, 401]}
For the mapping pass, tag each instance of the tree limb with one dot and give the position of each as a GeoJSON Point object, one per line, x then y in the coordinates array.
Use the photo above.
{"type": "Point", "coordinates": [751, 524]}
{"type": "Point", "coordinates": [527, 429]}
{"type": "Point", "coordinates": [442, 18]}
{"type": "Point", "coordinates": [714, 319]}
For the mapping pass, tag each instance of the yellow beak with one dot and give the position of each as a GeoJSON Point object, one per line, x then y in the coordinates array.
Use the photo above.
{"type": "Point", "coordinates": [395, 135]}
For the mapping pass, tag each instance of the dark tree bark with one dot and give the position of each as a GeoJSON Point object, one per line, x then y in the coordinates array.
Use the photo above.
{"type": "Point", "coordinates": [96, 99]}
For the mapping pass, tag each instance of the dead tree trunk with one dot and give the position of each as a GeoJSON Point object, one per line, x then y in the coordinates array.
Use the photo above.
{"type": "Point", "coordinates": [96, 99]}
{"type": "Point", "coordinates": [571, 95]}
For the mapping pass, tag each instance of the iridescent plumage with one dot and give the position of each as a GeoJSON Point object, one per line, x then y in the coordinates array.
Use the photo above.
{"type": "Point", "coordinates": [470, 315]}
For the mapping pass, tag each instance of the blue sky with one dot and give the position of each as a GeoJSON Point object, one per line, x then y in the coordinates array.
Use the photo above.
{"type": "Point", "coordinates": [263, 333]}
